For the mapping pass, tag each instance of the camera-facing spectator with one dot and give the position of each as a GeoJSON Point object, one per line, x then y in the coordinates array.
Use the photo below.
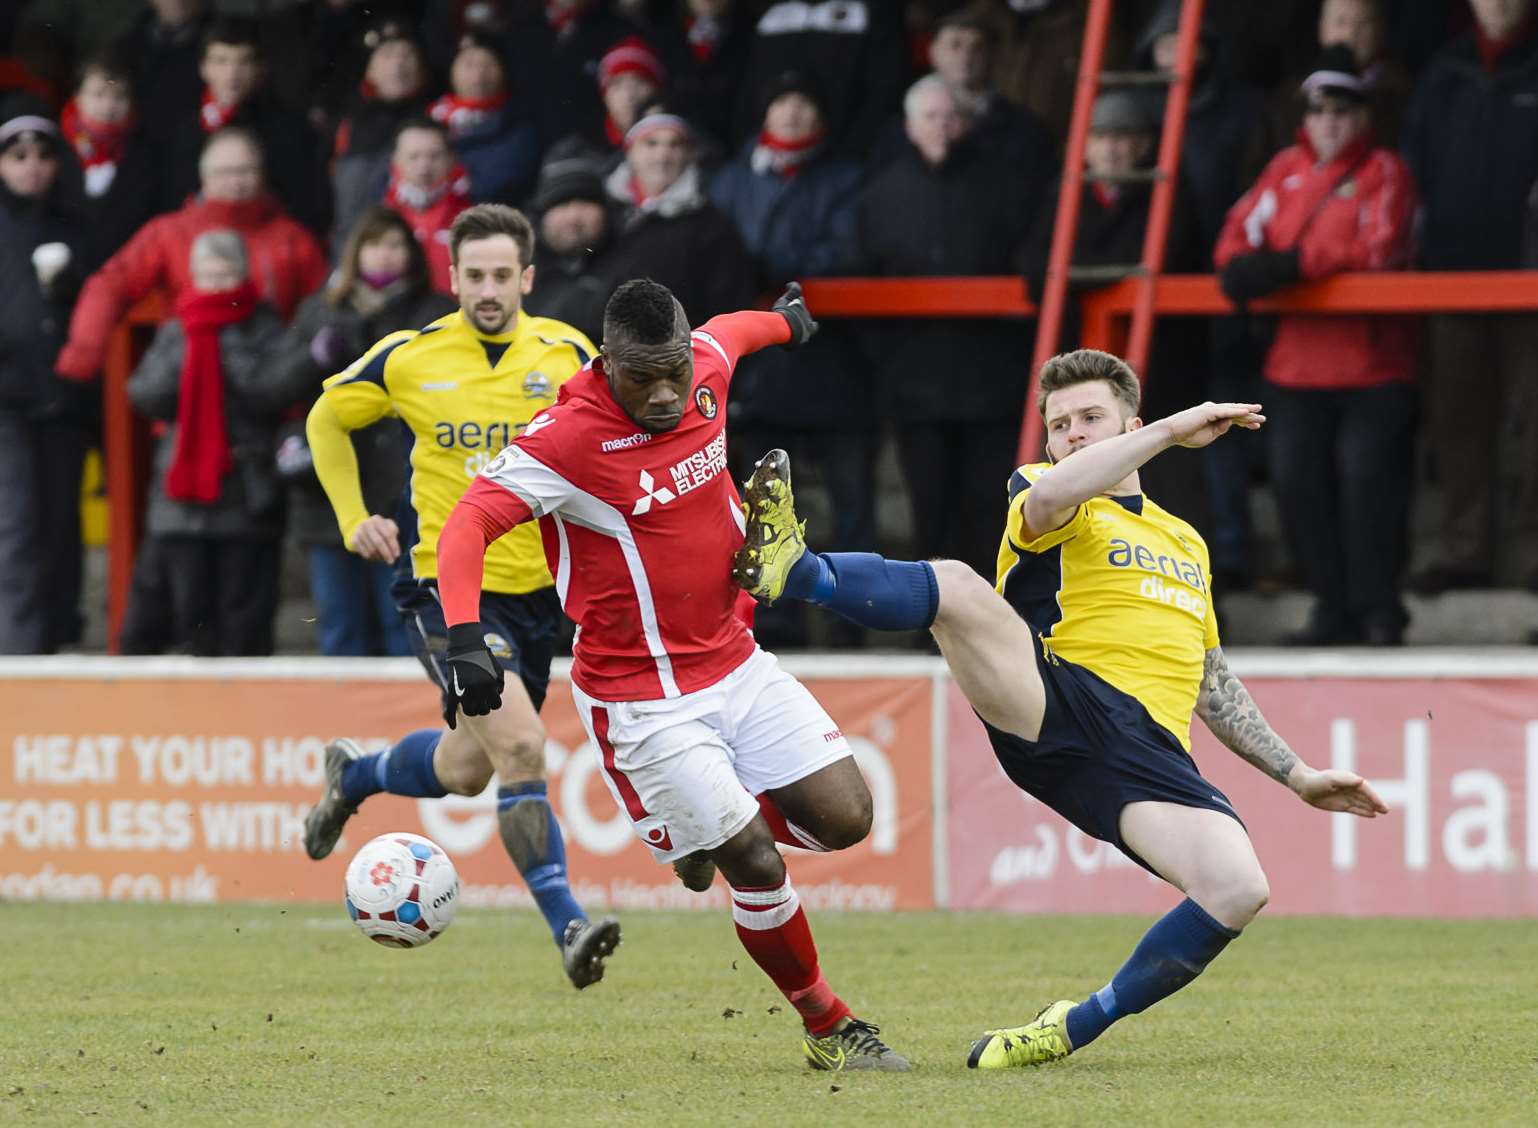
{"type": "Point", "coordinates": [215, 510]}
{"type": "Point", "coordinates": [576, 230]}
{"type": "Point", "coordinates": [287, 261]}
{"type": "Point", "coordinates": [630, 75]}
{"type": "Point", "coordinates": [669, 231]}
{"type": "Point", "coordinates": [954, 388]}
{"type": "Point", "coordinates": [1471, 137]}
{"type": "Point", "coordinates": [380, 286]}
{"type": "Point", "coordinates": [1358, 26]}
{"type": "Point", "coordinates": [46, 424]}
{"type": "Point", "coordinates": [856, 51]}
{"type": "Point", "coordinates": [393, 91]}
{"type": "Point", "coordinates": [497, 146]}
{"type": "Point", "coordinates": [961, 53]}
{"type": "Point", "coordinates": [1340, 400]}
{"type": "Point", "coordinates": [793, 199]}
{"type": "Point", "coordinates": [117, 166]}
{"type": "Point", "coordinates": [428, 187]}
{"type": "Point", "coordinates": [232, 69]}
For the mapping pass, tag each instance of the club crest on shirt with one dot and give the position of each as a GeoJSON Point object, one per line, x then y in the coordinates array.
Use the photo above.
{"type": "Point", "coordinates": [705, 400]}
{"type": "Point", "coordinates": [536, 385]}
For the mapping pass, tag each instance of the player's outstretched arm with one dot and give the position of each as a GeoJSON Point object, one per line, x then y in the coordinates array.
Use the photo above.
{"type": "Point", "coordinates": [1092, 470]}
{"type": "Point", "coordinates": [788, 324]}
{"type": "Point", "coordinates": [1229, 711]}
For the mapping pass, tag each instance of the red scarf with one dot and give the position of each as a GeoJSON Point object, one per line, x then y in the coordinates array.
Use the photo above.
{"type": "Point", "coordinates": [560, 18]}
{"type": "Point", "coordinates": [201, 457]}
{"type": "Point", "coordinates": [408, 198]}
{"type": "Point", "coordinates": [613, 132]}
{"type": "Point", "coordinates": [786, 158]}
{"type": "Point", "coordinates": [94, 142]}
{"type": "Point", "coordinates": [704, 35]}
{"type": "Point", "coordinates": [215, 116]}
{"type": "Point", "coordinates": [1492, 50]}
{"type": "Point", "coordinates": [461, 115]}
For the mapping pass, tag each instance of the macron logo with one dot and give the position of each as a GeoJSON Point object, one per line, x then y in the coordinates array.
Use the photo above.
{"type": "Point", "coordinates": [626, 443]}
{"type": "Point", "coordinates": [650, 491]}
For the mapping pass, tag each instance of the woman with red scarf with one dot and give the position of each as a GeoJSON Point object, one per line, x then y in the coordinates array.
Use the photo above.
{"type": "Point", "coordinates": [215, 514]}
{"type": "Point", "coordinates": [494, 141]}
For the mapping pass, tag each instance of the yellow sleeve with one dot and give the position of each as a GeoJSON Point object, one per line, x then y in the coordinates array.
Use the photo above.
{"type": "Point", "coordinates": [336, 465]}
{"type": "Point", "coordinates": [1210, 638]}
{"type": "Point", "coordinates": [351, 400]}
{"type": "Point", "coordinates": [1014, 523]}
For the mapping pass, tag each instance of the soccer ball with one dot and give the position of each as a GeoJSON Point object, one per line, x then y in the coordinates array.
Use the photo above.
{"type": "Point", "coordinates": [402, 890]}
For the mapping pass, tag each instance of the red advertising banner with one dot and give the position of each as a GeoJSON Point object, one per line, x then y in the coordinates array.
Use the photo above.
{"type": "Point", "coordinates": [1455, 758]}
{"type": "Point", "coordinates": [182, 782]}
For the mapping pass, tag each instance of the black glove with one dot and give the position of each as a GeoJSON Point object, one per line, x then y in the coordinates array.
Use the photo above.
{"type": "Point", "coordinates": [475, 679]}
{"type": "Point", "coordinates": [792, 307]}
{"type": "Point", "coordinates": [1254, 275]}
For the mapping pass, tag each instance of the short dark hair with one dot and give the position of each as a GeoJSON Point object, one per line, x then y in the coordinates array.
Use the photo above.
{"type": "Point", "coordinates": [232, 32]}
{"type": "Point", "coordinates": [110, 64]}
{"type": "Point", "coordinates": [641, 312]}
{"type": "Point", "coordinates": [966, 19]}
{"type": "Point", "coordinates": [1083, 366]}
{"type": "Point", "coordinates": [484, 221]}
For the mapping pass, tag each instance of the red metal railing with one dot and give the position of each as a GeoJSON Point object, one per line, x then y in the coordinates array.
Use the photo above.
{"type": "Point", "coordinates": [1106, 316]}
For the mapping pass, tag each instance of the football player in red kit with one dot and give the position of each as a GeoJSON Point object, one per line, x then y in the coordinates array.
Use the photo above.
{"type": "Point", "coordinates": [627, 478]}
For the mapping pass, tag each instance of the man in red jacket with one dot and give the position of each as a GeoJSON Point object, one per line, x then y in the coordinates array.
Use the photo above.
{"type": "Point", "coordinates": [1342, 400]}
{"type": "Point", "coordinates": [286, 262]}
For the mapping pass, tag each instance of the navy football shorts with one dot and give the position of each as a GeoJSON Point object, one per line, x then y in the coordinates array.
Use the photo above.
{"type": "Point", "coordinates": [1099, 750]}
{"type": "Point", "coordinates": [520, 633]}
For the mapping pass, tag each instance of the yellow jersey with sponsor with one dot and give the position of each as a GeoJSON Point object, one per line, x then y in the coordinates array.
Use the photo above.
{"type": "Point", "coordinates": [465, 395]}
{"type": "Point", "coordinates": [1123, 590]}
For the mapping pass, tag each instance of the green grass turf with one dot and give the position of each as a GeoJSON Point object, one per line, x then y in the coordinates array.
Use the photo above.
{"type": "Point", "coordinates": [261, 1015]}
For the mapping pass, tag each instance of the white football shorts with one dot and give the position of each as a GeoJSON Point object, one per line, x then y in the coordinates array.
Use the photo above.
{"type": "Point", "coordinates": [686, 769]}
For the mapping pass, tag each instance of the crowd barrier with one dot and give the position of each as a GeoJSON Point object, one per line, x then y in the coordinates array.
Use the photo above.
{"type": "Point", "coordinates": [187, 780]}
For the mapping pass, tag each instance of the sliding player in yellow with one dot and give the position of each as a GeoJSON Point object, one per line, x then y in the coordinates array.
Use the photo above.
{"type": "Point", "coordinates": [1085, 662]}
{"type": "Point", "coordinates": [466, 386]}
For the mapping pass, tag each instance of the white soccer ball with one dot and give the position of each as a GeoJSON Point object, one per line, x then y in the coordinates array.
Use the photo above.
{"type": "Point", "coordinates": [402, 890]}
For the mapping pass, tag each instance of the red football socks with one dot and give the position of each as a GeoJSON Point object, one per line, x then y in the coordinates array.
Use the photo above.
{"type": "Point", "coordinates": [772, 926]}
{"type": "Point", "coordinates": [786, 833]}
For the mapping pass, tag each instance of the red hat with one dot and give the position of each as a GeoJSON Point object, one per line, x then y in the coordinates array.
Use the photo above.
{"type": "Point", "coordinates": [630, 55]}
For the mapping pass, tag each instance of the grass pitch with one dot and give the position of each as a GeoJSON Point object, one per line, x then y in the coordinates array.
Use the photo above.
{"type": "Point", "coordinates": [264, 1015]}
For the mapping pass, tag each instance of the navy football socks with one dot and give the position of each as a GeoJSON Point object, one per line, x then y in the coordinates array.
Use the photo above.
{"type": "Point", "coordinates": [1172, 953]}
{"type": "Point", "coordinates": [532, 838]}
{"type": "Point", "coordinates": [882, 594]}
{"type": "Point", "coordinates": [405, 768]}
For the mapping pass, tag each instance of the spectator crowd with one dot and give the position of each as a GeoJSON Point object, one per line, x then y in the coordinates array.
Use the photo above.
{"type": "Point", "coordinates": [284, 174]}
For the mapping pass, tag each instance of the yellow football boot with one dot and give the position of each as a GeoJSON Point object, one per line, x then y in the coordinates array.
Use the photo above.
{"type": "Point", "coordinates": [773, 537]}
{"type": "Point", "coordinates": [1042, 1040]}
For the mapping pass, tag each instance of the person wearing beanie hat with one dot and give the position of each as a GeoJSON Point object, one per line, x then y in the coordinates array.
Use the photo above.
{"type": "Point", "coordinates": [1339, 394]}
{"type": "Point", "coordinates": [576, 230]}
{"type": "Point", "coordinates": [629, 76]}
{"type": "Point", "coordinates": [494, 139]}
{"type": "Point", "coordinates": [668, 230]}
{"type": "Point", "coordinates": [46, 424]}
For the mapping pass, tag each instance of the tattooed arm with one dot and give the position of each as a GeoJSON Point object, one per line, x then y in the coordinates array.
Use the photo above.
{"type": "Point", "coordinates": [1227, 709]}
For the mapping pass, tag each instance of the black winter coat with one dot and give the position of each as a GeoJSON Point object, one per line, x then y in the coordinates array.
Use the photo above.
{"type": "Point", "coordinates": [250, 503]}
{"type": "Point", "coordinates": [33, 321]}
{"type": "Point", "coordinates": [1471, 138]}
{"type": "Point", "coordinates": [384, 448]}
{"type": "Point", "coordinates": [968, 216]}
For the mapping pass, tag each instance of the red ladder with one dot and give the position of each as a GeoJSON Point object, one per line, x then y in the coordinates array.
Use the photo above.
{"type": "Point", "coordinates": [1060, 272]}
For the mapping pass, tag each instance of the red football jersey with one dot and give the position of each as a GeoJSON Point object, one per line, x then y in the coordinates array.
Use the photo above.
{"type": "Point", "coordinates": [639, 528]}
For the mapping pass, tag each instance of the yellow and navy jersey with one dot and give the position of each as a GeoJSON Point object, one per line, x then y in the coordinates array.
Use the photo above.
{"type": "Point", "coordinates": [465, 396]}
{"type": "Point", "coordinates": [1123, 590]}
